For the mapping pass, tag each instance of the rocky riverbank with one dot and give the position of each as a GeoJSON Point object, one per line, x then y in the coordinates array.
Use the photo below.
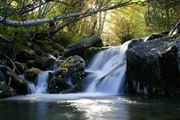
{"type": "Point", "coordinates": [68, 63]}
{"type": "Point", "coordinates": [153, 67]}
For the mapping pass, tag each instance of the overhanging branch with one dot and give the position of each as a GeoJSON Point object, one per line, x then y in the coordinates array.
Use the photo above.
{"type": "Point", "coordinates": [87, 13]}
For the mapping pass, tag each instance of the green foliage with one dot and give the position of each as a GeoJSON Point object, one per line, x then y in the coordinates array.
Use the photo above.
{"type": "Point", "coordinates": [115, 26]}
{"type": "Point", "coordinates": [161, 15]}
{"type": "Point", "coordinates": [6, 10]}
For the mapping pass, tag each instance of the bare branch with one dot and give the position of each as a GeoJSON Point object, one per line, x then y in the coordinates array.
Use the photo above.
{"type": "Point", "coordinates": [13, 64]}
{"type": "Point", "coordinates": [87, 13]}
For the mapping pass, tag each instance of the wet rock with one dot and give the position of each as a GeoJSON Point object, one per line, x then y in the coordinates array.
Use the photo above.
{"type": "Point", "coordinates": [43, 63]}
{"type": "Point", "coordinates": [69, 74]}
{"type": "Point", "coordinates": [32, 73]}
{"type": "Point", "coordinates": [71, 65]}
{"type": "Point", "coordinates": [57, 84]}
{"type": "Point", "coordinates": [19, 86]}
{"type": "Point", "coordinates": [4, 90]}
{"type": "Point", "coordinates": [152, 68]}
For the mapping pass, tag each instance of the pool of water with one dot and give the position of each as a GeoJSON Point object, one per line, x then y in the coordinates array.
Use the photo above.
{"type": "Point", "coordinates": [88, 107]}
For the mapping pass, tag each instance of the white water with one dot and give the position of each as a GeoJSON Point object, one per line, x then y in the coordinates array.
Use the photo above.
{"type": "Point", "coordinates": [31, 88]}
{"type": "Point", "coordinates": [106, 73]}
{"type": "Point", "coordinates": [41, 84]}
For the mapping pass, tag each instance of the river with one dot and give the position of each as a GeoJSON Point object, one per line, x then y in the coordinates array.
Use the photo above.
{"type": "Point", "coordinates": [88, 107]}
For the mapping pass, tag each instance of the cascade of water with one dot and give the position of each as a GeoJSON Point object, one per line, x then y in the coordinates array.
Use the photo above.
{"type": "Point", "coordinates": [31, 88]}
{"type": "Point", "coordinates": [41, 82]}
{"type": "Point", "coordinates": [106, 73]}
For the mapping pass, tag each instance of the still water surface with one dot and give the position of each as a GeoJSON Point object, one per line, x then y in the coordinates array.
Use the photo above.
{"type": "Point", "coordinates": [88, 107]}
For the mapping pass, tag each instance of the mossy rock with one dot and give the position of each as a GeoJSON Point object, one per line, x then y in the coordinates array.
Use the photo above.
{"type": "Point", "coordinates": [32, 73]}
{"type": "Point", "coordinates": [68, 75]}
{"type": "Point", "coordinates": [57, 84]}
{"type": "Point", "coordinates": [71, 65]}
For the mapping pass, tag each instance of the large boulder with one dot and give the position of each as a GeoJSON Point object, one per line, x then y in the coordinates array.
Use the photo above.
{"type": "Point", "coordinates": [31, 74]}
{"type": "Point", "coordinates": [71, 65]}
{"type": "Point", "coordinates": [153, 67]}
{"type": "Point", "coordinates": [44, 63]}
{"type": "Point", "coordinates": [69, 74]}
{"type": "Point", "coordinates": [12, 80]}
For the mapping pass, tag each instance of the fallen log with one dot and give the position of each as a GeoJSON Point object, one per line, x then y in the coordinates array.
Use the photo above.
{"type": "Point", "coordinates": [81, 45]}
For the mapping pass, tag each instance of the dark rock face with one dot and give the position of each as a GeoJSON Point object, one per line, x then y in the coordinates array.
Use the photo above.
{"type": "Point", "coordinates": [32, 73]}
{"type": "Point", "coordinates": [153, 67]}
{"type": "Point", "coordinates": [68, 75]}
{"type": "Point", "coordinates": [4, 90]}
{"type": "Point", "coordinates": [24, 54]}
{"type": "Point", "coordinates": [44, 63]}
{"type": "Point", "coordinates": [20, 67]}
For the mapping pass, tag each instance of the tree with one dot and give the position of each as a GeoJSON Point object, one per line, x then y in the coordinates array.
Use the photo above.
{"type": "Point", "coordinates": [61, 13]}
{"type": "Point", "coordinates": [161, 15]}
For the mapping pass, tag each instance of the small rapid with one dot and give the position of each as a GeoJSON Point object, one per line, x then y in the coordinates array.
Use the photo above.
{"type": "Point", "coordinates": [41, 84]}
{"type": "Point", "coordinates": [106, 72]}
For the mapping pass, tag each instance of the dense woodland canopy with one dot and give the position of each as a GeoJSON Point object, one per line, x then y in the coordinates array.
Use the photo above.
{"type": "Point", "coordinates": [66, 21]}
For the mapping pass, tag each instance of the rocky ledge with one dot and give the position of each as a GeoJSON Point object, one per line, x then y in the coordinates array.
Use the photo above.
{"type": "Point", "coordinates": [153, 67]}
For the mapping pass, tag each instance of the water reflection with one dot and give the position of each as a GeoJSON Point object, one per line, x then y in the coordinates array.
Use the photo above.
{"type": "Point", "coordinates": [41, 111]}
{"type": "Point", "coordinates": [90, 108]}
{"type": "Point", "coordinates": [93, 109]}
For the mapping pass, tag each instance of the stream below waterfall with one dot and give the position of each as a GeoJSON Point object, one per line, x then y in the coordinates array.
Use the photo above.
{"type": "Point", "coordinates": [100, 100]}
{"type": "Point", "coordinates": [88, 107]}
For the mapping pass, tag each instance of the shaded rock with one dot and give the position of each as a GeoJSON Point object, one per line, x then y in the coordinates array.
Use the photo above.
{"type": "Point", "coordinates": [69, 74]}
{"type": "Point", "coordinates": [3, 75]}
{"type": "Point", "coordinates": [30, 63]}
{"type": "Point", "coordinates": [19, 86]}
{"type": "Point", "coordinates": [32, 73]}
{"type": "Point", "coordinates": [25, 54]}
{"type": "Point", "coordinates": [20, 67]}
{"type": "Point", "coordinates": [71, 65]}
{"type": "Point", "coordinates": [4, 90]}
{"type": "Point", "coordinates": [152, 68]}
{"type": "Point", "coordinates": [57, 84]}
{"type": "Point", "coordinates": [43, 63]}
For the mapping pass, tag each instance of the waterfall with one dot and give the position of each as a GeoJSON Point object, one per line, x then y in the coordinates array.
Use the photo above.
{"type": "Point", "coordinates": [106, 72]}
{"type": "Point", "coordinates": [31, 88]}
{"type": "Point", "coordinates": [42, 82]}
